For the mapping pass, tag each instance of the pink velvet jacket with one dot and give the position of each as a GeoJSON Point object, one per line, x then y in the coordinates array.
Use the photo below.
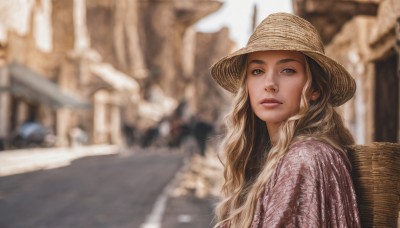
{"type": "Point", "coordinates": [311, 187]}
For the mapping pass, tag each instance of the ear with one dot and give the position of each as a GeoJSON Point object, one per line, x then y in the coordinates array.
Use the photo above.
{"type": "Point", "coordinates": [314, 96]}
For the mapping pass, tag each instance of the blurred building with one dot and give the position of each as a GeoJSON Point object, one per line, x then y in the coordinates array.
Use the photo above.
{"type": "Point", "coordinates": [100, 65]}
{"type": "Point", "coordinates": [364, 36]}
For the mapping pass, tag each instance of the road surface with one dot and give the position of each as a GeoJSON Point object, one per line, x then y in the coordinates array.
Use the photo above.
{"type": "Point", "coordinates": [103, 191]}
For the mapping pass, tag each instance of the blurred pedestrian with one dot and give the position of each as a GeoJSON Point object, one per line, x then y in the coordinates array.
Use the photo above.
{"type": "Point", "coordinates": [285, 151]}
{"type": "Point", "coordinates": [78, 136]}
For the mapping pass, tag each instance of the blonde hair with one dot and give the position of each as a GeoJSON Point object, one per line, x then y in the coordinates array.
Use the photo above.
{"type": "Point", "coordinates": [250, 158]}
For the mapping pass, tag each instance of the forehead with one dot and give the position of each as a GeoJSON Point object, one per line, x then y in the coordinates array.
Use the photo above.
{"type": "Point", "coordinates": [295, 55]}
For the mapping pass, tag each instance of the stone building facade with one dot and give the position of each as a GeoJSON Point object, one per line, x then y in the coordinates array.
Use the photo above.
{"type": "Point", "coordinates": [363, 35]}
{"type": "Point", "coordinates": [101, 65]}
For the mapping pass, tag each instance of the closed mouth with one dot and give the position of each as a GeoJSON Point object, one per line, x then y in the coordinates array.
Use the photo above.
{"type": "Point", "coordinates": [270, 101]}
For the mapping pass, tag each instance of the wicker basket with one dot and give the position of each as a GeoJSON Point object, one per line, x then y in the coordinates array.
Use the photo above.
{"type": "Point", "coordinates": [376, 176]}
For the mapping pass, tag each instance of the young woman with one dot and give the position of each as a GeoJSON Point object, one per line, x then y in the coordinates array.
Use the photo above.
{"type": "Point", "coordinates": [285, 150]}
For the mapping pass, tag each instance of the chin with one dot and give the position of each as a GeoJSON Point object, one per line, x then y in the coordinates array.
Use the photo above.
{"type": "Point", "coordinates": [271, 120]}
{"type": "Point", "coordinates": [272, 117]}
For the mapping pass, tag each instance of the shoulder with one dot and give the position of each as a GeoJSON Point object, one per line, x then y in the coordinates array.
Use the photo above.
{"type": "Point", "coordinates": [310, 146]}
{"type": "Point", "coordinates": [313, 152]}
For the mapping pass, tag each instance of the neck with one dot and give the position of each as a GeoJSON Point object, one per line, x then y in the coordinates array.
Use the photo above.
{"type": "Point", "coordinates": [273, 129]}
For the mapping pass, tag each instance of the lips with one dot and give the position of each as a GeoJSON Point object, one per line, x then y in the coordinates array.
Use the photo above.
{"type": "Point", "coordinates": [270, 101]}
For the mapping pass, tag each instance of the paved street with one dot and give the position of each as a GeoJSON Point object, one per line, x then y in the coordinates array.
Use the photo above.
{"type": "Point", "coordinates": [102, 191]}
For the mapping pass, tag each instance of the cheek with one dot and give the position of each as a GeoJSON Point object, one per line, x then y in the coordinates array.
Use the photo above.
{"type": "Point", "coordinates": [297, 92]}
{"type": "Point", "coordinates": [252, 90]}
{"type": "Point", "coordinates": [249, 89]}
{"type": "Point", "coordinates": [252, 95]}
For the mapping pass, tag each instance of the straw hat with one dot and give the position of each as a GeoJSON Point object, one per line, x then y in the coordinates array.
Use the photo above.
{"type": "Point", "coordinates": [284, 31]}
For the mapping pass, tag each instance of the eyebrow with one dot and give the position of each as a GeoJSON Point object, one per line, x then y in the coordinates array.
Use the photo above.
{"type": "Point", "coordinates": [258, 61]}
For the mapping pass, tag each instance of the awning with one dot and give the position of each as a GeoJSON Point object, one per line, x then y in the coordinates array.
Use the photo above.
{"type": "Point", "coordinates": [31, 86]}
{"type": "Point", "coordinates": [112, 76]}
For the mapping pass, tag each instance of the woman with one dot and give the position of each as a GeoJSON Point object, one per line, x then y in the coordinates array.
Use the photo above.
{"type": "Point", "coordinates": [285, 150]}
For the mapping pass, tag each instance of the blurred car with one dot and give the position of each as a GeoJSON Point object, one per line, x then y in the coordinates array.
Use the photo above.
{"type": "Point", "coordinates": [32, 134]}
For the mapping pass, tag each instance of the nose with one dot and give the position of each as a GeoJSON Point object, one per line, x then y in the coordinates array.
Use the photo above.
{"type": "Point", "coordinates": [270, 84]}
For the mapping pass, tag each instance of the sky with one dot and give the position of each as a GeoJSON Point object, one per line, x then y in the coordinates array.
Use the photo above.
{"type": "Point", "coordinates": [237, 15]}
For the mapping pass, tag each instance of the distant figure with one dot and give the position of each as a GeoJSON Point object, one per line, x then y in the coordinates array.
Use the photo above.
{"type": "Point", "coordinates": [78, 136]}
{"type": "Point", "coordinates": [149, 136]}
{"type": "Point", "coordinates": [129, 134]}
{"type": "Point", "coordinates": [2, 147]}
{"type": "Point", "coordinates": [173, 131]}
{"type": "Point", "coordinates": [201, 131]}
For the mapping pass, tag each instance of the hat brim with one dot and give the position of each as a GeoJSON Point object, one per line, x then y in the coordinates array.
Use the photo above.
{"type": "Point", "coordinates": [227, 72]}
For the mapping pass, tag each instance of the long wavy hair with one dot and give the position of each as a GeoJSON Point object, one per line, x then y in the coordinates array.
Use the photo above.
{"type": "Point", "coordinates": [250, 158]}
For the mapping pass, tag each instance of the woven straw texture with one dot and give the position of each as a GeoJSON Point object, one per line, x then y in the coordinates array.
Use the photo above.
{"type": "Point", "coordinates": [376, 176]}
{"type": "Point", "coordinates": [283, 31]}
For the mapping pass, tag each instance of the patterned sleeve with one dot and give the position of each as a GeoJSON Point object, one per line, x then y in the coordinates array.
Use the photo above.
{"type": "Point", "coordinates": [312, 187]}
